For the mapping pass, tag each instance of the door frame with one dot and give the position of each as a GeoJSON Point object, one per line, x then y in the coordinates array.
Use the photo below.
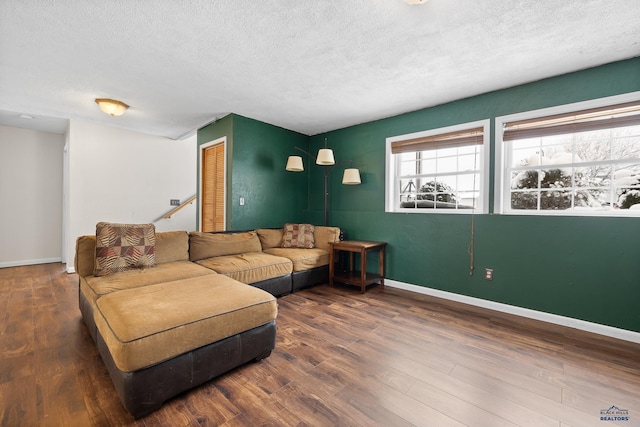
{"type": "Point", "coordinates": [203, 147]}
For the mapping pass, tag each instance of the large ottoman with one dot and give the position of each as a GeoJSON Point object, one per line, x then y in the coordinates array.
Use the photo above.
{"type": "Point", "coordinates": [160, 340]}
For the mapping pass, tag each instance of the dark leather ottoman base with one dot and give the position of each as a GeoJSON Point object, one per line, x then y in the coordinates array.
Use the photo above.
{"type": "Point", "coordinates": [144, 391]}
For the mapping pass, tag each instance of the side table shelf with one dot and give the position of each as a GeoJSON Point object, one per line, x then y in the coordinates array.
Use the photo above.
{"type": "Point", "coordinates": [358, 277]}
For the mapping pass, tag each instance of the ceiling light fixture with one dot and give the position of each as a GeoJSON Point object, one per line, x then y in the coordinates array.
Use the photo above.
{"type": "Point", "coordinates": [111, 106]}
{"type": "Point", "coordinates": [415, 1]}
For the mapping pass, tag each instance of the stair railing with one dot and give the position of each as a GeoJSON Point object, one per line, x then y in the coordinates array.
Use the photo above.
{"type": "Point", "coordinates": [178, 208]}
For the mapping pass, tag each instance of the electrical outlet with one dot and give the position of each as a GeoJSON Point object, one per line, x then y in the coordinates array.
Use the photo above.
{"type": "Point", "coordinates": [174, 202]}
{"type": "Point", "coordinates": [241, 201]}
{"type": "Point", "coordinates": [488, 273]}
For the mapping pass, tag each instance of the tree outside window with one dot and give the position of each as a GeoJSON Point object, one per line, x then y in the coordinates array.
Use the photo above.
{"type": "Point", "coordinates": [597, 170]}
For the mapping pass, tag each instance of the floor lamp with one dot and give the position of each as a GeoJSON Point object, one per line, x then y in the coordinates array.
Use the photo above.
{"type": "Point", "coordinates": [325, 158]}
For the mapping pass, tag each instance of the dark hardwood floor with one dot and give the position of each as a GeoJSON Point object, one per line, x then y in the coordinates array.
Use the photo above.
{"type": "Point", "coordinates": [387, 358]}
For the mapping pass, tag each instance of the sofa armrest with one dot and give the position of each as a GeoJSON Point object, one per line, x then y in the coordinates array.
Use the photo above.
{"type": "Point", "coordinates": [324, 234]}
{"type": "Point", "coordinates": [85, 258]}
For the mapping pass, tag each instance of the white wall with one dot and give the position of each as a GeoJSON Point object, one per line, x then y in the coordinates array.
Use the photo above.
{"type": "Point", "coordinates": [122, 176]}
{"type": "Point", "coordinates": [30, 196]}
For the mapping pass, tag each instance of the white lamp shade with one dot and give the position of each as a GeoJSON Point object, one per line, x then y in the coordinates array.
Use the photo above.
{"type": "Point", "coordinates": [294, 164]}
{"type": "Point", "coordinates": [351, 176]}
{"type": "Point", "coordinates": [325, 157]}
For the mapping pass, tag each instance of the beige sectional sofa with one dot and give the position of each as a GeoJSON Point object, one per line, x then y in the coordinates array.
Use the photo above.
{"type": "Point", "coordinates": [257, 258]}
{"type": "Point", "coordinates": [192, 316]}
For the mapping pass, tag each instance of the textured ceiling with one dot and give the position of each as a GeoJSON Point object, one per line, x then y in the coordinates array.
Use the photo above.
{"type": "Point", "coordinates": [309, 66]}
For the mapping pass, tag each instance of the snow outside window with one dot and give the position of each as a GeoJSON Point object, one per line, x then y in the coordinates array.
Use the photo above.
{"type": "Point", "coordinates": [441, 170]}
{"type": "Point", "coordinates": [575, 165]}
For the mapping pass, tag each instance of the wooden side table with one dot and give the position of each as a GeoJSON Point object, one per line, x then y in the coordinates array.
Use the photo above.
{"type": "Point", "coordinates": [356, 277]}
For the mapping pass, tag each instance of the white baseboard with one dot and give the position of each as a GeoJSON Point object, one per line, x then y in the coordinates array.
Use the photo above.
{"type": "Point", "coordinates": [29, 262]}
{"type": "Point", "coordinates": [596, 328]}
{"type": "Point", "coordinates": [70, 269]}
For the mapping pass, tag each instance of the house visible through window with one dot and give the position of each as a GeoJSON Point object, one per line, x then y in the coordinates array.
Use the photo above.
{"type": "Point", "coordinates": [574, 162]}
{"type": "Point", "coordinates": [439, 170]}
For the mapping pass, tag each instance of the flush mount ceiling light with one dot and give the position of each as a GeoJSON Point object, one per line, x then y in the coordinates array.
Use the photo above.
{"type": "Point", "coordinates": [415, 1]}
{"type": "Point", "coordinates": [111, 106]}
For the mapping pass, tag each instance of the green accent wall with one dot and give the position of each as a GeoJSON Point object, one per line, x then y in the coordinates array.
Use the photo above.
{"type": "Point", "coordinates": [580, 267]}
{"type": "Point", "coordinates": [257, 154]}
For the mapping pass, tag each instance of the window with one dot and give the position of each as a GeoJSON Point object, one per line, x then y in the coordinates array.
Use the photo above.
{"type": "Point", "coordinates": [582, 159]}
{"type": "Point", "coordinates": [440, 170]}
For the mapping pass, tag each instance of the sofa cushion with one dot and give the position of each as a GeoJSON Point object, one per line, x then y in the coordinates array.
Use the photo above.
{"type": "Point", "coordinates": [121, 247]}
{"type": "Point", "coordinates": [249, 267]}
{"type": "Point", "coordinates": [165, 272]}
{"type": "Point", "coordinates": [303, 259]}
{"type": "Point", "coordinates": [298, 236]}
{"type": "Point", "coordinates": [172, 246]}
{"type": "Point", "coordinates": [207, 245]}
{"type": "Point", "coordinates": [148, 325]}
{"type": "Point", "coordinates": [270, 237]}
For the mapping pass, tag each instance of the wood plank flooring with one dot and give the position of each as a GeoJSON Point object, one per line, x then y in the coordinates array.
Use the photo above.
{"type": "Point", "coordinates": [385, 358]}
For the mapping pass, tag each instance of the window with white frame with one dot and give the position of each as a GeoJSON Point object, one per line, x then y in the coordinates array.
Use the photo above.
{"type": "Point", "coordinates": [440, 170]}
{"type": "Point", "coordinates": [582, 159]}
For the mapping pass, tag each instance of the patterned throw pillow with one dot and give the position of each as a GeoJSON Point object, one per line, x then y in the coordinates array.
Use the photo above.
{"type": "Point", "coordinates": [121, 247]}
{"type": "Point", "coordinates": [298, 236]}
